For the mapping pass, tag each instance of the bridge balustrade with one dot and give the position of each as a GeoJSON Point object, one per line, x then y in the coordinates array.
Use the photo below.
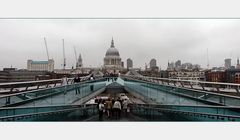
{"type": "Point", "coordinates": [16, 87]}
{"type": "Point", "coordinates": [163, 94]}
{"type": "Point", "coordinates": [54, 95]}
{"type": "Point", "coordinates": [186, 112]}
{"type": "Point", "coordinates": [194, 84]}
{"type": "Point", "coordinates": [48, 113]}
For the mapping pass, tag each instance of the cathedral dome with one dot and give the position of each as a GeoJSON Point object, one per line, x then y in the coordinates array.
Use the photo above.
{"type": "Point", "coordinates": [112, 58]}
{"type": "Point", "coordinates": [112, 51]}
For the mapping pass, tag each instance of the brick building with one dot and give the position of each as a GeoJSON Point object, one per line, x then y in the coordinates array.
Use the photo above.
{"type": "Point", "coordinates": [216, 76]}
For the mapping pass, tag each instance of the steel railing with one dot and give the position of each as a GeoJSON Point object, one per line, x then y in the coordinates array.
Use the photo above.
{"type": "Point", "coordinates": [189, 112]}
{"type": "Point", "coordinates": [193, 84]}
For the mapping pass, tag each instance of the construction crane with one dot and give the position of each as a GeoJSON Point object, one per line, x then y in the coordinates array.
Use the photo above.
{"type": "Point", "coordinates": [207, 60]}
{"type": "Point", "coordinates": [64, 58]}
{"type": "Point", "coordinates": [46, 47]}
{"type": "Point", "coordinates": [75, 54]}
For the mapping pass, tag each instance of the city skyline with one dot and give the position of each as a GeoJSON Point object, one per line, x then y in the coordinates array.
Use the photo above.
{"type": "Point", "coordinates": [166, 40]}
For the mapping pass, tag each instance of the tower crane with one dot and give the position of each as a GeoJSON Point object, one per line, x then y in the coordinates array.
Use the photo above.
{"type": "Point", "coordinates": [64, 58]}
{"type": "Point", "coordinates": [46, 47]}
{"type": "Point", "coordinates": [75, 52]}
{"type": "Point", "coordinates": [207, 60]}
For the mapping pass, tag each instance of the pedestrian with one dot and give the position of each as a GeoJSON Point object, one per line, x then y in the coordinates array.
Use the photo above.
{"type": "Point", "coordinates": [64, 80]}
{"type": "Point", "coordinates": [100, 110]}
{"type": "Point", "coordinates": [77, 87]}
{"type": "Point", "coordinates": [64, 83]}
{"type": "Point", "coordinates": [91, 87]}
{"type": "Point", "coordinates": [78, 79]}
{"type": "Point", "coordinates": [108, 107]}
{"type": "Point", "coordinates": [112, 109]}
{"type": "Point", "coordinates": [75, 80]}
{"type": "Point", "coordinates": [117, 109]}
{"type": "Point", "coordinates": [125, 104]}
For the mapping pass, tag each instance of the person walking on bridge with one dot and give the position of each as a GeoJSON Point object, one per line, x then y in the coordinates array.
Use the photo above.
{"type": "Point", "coordinates": [125, 104]}
{"type": "Point", "coordinates": [117, 109]}
{"type": "Point", "coordinates": [64, 80]}
{"type": "Point", "coordinates": [100, 109]}
{"type": "Point", "coordinates": [64, 83]}
{"type": "Point", "coordinates": [108, 107]}
{"type": "Point", "coordinates": [77, 84]}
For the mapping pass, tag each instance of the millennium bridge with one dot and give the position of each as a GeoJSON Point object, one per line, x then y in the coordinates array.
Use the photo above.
{"type": "Point", "coordinates": [152, 99]}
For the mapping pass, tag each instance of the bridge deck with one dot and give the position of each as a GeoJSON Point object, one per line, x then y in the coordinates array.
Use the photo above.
{"type": "Point", "coordinates": [123, 118]}
{"type": "Point", "coordinates": [158, 94]}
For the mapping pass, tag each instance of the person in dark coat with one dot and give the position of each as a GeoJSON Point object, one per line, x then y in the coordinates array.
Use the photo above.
{"type": "Point", "coordinates": [77, 86]}
{"type": "Point", "coordinates": [100, 110]}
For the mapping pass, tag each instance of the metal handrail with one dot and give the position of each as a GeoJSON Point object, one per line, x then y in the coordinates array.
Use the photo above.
{"type": "Point", "coordinates": [193, 81]}
{"type": "Point", "coordinates": [190, 82]}
{"type": "Point", "coordinates": [197, 90]}
{"type": "Point", "coordinates": [203, 106]}
{"type": "Point", "coordinates": [168, 108]}
{"type": "Point", "coordinates": [192, 112]}
{"type": "Point", "coordinates": [25, 92]}
{"type": "Point", "coordinates": [43, 106]}
{"type": "Point", "coordinates": [28, 84]}
{"type": "Point", "coordinates": [65, 108]}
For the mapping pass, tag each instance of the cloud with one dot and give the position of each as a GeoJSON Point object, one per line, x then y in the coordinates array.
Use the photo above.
{"type": "Point", "coordinates": [139, 39]}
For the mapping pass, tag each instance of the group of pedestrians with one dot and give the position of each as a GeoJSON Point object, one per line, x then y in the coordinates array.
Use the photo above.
{"type": "Point", "coordinates": [113, 79]}
{"type": "Point", "coordinates": [113, 108]}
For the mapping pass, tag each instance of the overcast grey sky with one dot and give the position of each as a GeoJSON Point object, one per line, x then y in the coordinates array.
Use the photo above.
{"type": "Point", "coordinates": [138, 39]}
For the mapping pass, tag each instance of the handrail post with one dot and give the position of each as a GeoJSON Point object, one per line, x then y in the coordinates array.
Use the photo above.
{"type": "Point", "coordinates": [181, 84]}
{"type": "Point", "coordinates": [55, 84]}
{"type": "Point", "coordinates": [190, 85]}
{"type": "Point", "coordinates": [237, 89]}
{"type": "Point", "coordinates": [174, 83]}
{"type": "Point", "coordinates": [202, 86]}
{"type": "Point", "coordinates": [38, 86]}
{"type": "Point", "coordinates": [26, 88]}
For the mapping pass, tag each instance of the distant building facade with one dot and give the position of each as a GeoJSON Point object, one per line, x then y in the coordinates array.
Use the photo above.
{"type": "Point", "coordinates": [228, 76]}
{"type": "Point", "coordinates": [237, 78]}
{"type": "Point", "coordinates": [216, 76]}
{"type": "Point", "coordinates": [238, 65]}
{"type": "Point", "coordinates": [187, 75]}
{"type": "Point", "coordinates": [227, 63]}
{"type": "Point", "coordinates": [14, 75]}
{"type": "Point", "coordinates": [40, 65]}
{"type": "Point", "coordinates": [232, 75]}
{"type": "Point", "coordinates": [129, 63]}
{"type": "Point", "coordinates": [153, 63]}
{"type": "Point", "coordinates": [170, 66]}
{"type": "Point", "coordinates": [178, 64]}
